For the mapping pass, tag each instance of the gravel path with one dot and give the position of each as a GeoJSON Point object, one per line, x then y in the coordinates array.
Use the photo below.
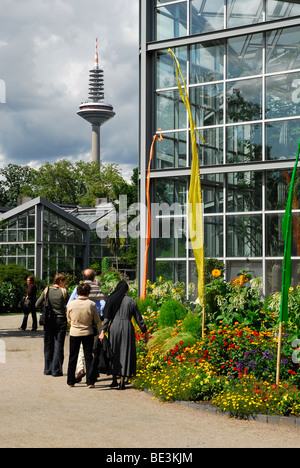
{"type": "Point", "coordinates": [42, 411]}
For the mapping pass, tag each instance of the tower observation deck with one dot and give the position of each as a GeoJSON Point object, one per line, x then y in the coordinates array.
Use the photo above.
{"type": "Point", "coordinates": [95, 110]}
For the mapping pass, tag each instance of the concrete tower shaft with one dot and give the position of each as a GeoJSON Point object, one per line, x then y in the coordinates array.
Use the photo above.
{"type": "Point", "coordinates": [96, 111]}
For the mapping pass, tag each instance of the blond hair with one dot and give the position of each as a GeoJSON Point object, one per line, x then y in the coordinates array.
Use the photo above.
{"type": "Point", "coordinates": [59, 277]}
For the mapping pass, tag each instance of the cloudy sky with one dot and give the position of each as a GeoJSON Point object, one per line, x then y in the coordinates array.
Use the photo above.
{"type": "Point", "coordinates": [46, 52]}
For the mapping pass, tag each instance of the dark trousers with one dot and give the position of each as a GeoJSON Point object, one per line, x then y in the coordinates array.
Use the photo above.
{"type": "Point", "coordinates": [54, 341]}
{"type": "Point", "coordinates": [88, 344]}
{"type": "Point", "coordinates": [25, 319]}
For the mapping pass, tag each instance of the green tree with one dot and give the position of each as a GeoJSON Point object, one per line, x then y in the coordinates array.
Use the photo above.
{"type": "Point", "coordinates": [55, 182]}
{"type": "Point", "coordinates": [80, 183]}
{"type": "Point", "coordinates": [13, 179]}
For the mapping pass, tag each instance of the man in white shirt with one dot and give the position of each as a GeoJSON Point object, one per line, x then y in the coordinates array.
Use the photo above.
{"type": "Point", "coordinates": [96, 295]}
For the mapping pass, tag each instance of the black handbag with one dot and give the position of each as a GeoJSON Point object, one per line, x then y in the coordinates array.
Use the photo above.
{"type": "Point", "coordinates": [45, 313]}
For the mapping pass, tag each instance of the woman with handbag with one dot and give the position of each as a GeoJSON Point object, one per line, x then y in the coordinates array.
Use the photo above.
{"type": "Point", "coordinates": [28, 304]}
{"type": "Point", "coordinates": [55, 327]}
{"type": "Point", "coordinates": [83, 315]}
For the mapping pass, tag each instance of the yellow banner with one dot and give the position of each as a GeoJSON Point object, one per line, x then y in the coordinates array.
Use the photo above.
{"type": "Point", "coordinates": [195, 207]}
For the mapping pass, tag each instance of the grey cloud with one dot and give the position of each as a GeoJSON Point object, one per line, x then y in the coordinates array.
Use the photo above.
{"type": "Point", "coordinates": [46, 51]}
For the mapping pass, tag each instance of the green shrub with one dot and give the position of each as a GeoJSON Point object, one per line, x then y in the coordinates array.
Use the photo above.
{"type": "Point", "coordinates": [143, 305]}
{"type": "Point", "coordinates": [170, 312]}
{"type": "Point", "coordinates": [10, 296]}
{"type": "Point", "coordinates": [192, 324]}
{"type": "Point", "coordinates": [15, 274]}
{"type": "Point", "coordinates": [13, 286]}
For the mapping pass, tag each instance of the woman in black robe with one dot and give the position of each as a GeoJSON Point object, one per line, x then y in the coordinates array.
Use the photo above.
{"type": "Point", "coordinates": [118, 312]}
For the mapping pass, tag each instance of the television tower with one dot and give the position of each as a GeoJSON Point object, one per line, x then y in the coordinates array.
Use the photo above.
{"type": "Point", "coordinates": [96, 111]}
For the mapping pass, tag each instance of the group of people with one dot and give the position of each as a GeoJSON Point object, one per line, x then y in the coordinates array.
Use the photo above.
{"type": "Point", "coordinates": [92, 320]}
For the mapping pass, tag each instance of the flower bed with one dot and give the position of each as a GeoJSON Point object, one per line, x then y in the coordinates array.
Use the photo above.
{"type": "Point", "coordinates": [234, 364]}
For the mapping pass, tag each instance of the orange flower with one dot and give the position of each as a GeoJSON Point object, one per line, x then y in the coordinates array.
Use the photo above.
{"type": "Point", "coordinates": [216, 273]}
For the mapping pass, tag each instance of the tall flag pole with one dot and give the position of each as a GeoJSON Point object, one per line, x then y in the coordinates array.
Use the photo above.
{"type": "Point", "coordinates": [148, 237]}
{"type": "Point", "coordinates": [195, 207]}
{"type": "Point", "coordinates": [287, 262]}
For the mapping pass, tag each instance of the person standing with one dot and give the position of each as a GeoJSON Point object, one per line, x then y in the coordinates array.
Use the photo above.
{"type": "Point", "coordinates": [96, 295]}
{"type": "Point", "coordinates": [29, 304]}
{"type": "Point", "coordinates": [81, 313]}
{"type": "Point", "coordinates": [56, 327]}
{"type": "Point", "coordinates": [118, 312]}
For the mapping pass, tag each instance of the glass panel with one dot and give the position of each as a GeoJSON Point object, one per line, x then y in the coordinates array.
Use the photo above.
{"type": "Point", "coordinates": [277, 9]}
{"type": "Point", "coordinates": [171, 152]}
{"type": "Point", "coordinates": [3, 235]}
{"type": "Point", "coordinates": [171, 271]}
{"type": "Point", "coordinates": [31, 235]}
{"type": "Point", "coordinates": [31, 218]}
{"type": "Point", "coordinates": [283, 51]}
{"type": "Point", "coordinates": [70, 235]}
{"type": "Point", "coordinates": [165, 70]}
{"type": "Point", "coordinates": [79, 250]}
{"type": "Point", "coordinates": [172, 191]}
{"type": "Point", "coordinates": [243, 12]}
{"type": "Point", "coordinates": [170, 110]}
{"type": "Point", "coordinates": [244, 55]}
{"type": "Point", "coordinates": [78, 236]}
{"type": "Point", "coordinates": [30, 263]}
{"type": "Point", "coordinates": [171, 21]}
{"type": "Point", "coordinates": [278, 183]}
{"type": "Point", "coordinates": [210, 152]}
{"type": "Point", "coordinates": [30, 250]}
{"type": "Point", "coordinates": [12, 223]}
{"type": "Point", "coordinates": [170, 241]}
{"type": "Point", "coordinates": [206, 16]}
{"type": "Point", "coordinates": [12, 250]}
{"type": "Point", "coordinates": [12, 236]}
{"type": "Point", "coordinates": [22, 235]}
{"type": "Point", "coordinates": [95, 251]}
{"type": "Point", "coordinates": [275, 244]}
{"type": "Point", "coordinates": [244, 191]}
{"type": "Point", "coordinates": [11, 260]}
{"type": "Point", "coordinates": [282, 139]}
{"type": "Point", "coordinates": [212, 193]}
{"type": "Point", "coordinates": [70, 250]}
{"type": "Point", "coordinates": [244, 143]}
{"type": "Point", "coordinates": [22, 261]}
{"type": "Point", "coordinates": [22, 221]}
{"type": "Point", "coordinates": [207, 104]}
{"type": "Point", "coordinates": [22, 250]}
{"type": "Point", "coordinates": [233, 268]}
{"type": "Point", "coordinates": [274, 275]}
{"type": "Point", "coordinates": [244, 236]}
{"type": "Point", "coordinates": [207, 63]}
{"type": "Point", "coordinates": [283, 95]}
{"type": "Point", "coordinates": [62, 229]}
{"type": "Point", "coordinates": [244, 100]}
{"type": "Point", "coordinates": [213, 236]}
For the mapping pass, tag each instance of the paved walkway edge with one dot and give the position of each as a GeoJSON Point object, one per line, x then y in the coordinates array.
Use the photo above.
{"type": "Point", "coordinates": [263, 418]}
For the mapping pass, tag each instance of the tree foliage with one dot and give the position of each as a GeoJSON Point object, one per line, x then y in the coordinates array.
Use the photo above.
{"type": "Point", "coordinates": [63, 182]}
